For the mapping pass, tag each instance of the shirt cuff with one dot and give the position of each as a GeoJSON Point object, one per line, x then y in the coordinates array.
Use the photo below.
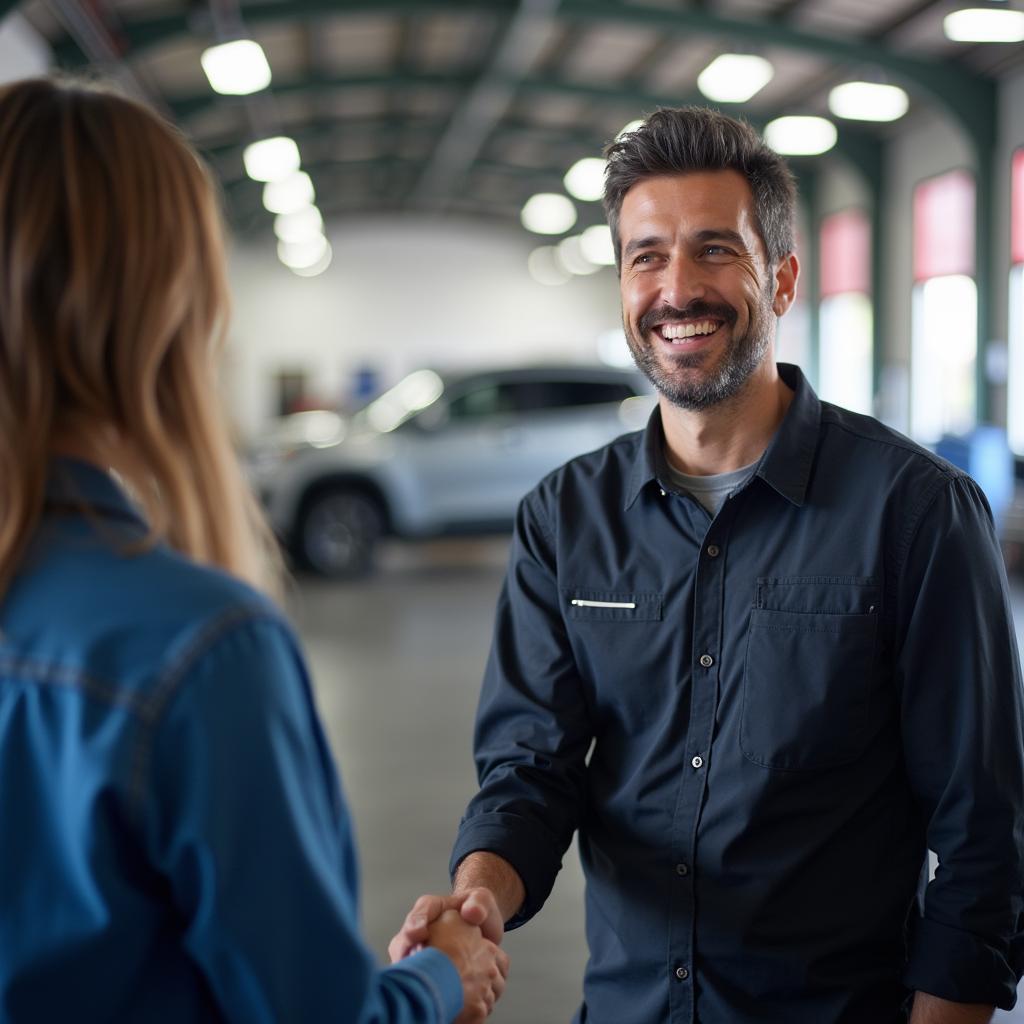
{"type": "Point", "coordinates": [438, 975]}
{"type": "Point", "coordinates": [958, 966]}
{"type": "Point", "coordinates": [527, 846]}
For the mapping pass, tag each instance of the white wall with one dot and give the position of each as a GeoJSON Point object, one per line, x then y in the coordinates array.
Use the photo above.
{"type": "Point", "coordinates": [23, 52]}
{"type": "Point", "coordinates": [401, 293]}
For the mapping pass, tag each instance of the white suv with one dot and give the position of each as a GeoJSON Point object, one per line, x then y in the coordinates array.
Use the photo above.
{"type": "Point", "coordinates": [434, 455]}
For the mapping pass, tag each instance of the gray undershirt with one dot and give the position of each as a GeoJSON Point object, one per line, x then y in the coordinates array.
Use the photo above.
{"type": "Point", "coordinates": [711, 491]}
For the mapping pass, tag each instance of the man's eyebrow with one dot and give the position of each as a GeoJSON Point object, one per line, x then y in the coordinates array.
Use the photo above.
{"type": "Point", "coordinates": [721, 235]}
{"type": "Point", "coordinates": [701, 238]}
{"type": "Point", "coordinates": [642, 243]}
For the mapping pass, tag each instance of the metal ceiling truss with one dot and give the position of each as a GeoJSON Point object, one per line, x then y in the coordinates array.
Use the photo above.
{"type": "Point", "coordinates": [484, 98]}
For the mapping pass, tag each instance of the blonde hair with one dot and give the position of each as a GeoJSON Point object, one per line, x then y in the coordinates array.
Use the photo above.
{"type": "Point", "coordinates": [113, 308]}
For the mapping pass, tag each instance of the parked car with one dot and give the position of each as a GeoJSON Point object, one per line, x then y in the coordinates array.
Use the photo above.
{"type": "Point", "coordinates": [434, 455]}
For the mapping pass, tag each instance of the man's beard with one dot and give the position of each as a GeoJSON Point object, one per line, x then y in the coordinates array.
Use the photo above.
{"type": "Point", "coordinates": [736, 365]}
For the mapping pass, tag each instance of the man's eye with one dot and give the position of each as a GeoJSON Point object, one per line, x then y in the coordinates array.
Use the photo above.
{"type": "Point", "coordinates": [716, 250]}
{"type": "Point", "coordinates": [644, 257]}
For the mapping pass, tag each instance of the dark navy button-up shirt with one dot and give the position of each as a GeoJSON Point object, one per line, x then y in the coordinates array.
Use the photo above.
{"type": "Point", "coordinates": [759, 724]}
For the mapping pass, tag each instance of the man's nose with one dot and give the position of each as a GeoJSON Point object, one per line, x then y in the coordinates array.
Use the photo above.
{"type": "Point", "coordinates": [682, 282]}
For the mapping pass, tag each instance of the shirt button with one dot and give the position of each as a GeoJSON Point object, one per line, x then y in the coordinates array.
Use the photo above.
{"type": "Point", "coordinates": [682, 870]}
{"type": "Point", "coordinates": [713, 551]}
{"type": "Point", "coordinates": [698, 762]}
{"type": "Point", "coordinates": [682, 973]}
{"type": "Point", "coordinates": [706, 660]}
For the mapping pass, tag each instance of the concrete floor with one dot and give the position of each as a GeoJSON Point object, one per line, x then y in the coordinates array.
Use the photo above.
{"type": "Point", "coordinates": [397, 662]}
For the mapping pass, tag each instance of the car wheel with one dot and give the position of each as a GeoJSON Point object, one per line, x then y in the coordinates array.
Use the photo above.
{"type": "Point", "coordinates": [337, 533]}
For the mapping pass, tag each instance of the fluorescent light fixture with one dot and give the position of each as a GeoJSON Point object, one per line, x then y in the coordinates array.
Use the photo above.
{"type": "Point", "coordinates": [302, 255]}
{"type": "Point", "coordinates": [313, 271]}
{"type": "Point", "coordinates": [236, 69]}
{"type": "Point", "coordinates": [585, 179]}
{"type": "Point", "coordinates": [800, 136]}
{"type": "Point", "coordinates": [734, 77]}
{"type": "Point", "coordinates": [271, 159]}
{"type": "Point", "coordinates": [570, 255]}
{"type": "Point", "coordinates": [984, 25]}
{"type": "Point", "coordinates": [868, 101]}
{"type": "Point", "coordinates": [548, 213]}
{"type": "Point", "coordinates": [300, 226]}
{"type": "Point", "coordinates": [289, 194]}
{"type": "Point", "coordinates": [596, 245]}
{"type": "Point", "coordinates": [545, 267]}
{"type": "Point", "coordinates": [631, 127]}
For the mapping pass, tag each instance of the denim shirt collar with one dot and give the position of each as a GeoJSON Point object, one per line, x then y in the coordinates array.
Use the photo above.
{"type": "Point", "coordinates": [787, 462]}
{"type": "Point", "coordinates": [84, 487]}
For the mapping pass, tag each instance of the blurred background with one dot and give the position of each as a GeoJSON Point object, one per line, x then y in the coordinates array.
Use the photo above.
{"type": "Point", "coordinates": [427, 320]}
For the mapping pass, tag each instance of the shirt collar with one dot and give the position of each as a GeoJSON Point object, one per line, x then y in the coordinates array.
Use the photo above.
{"type": "Point", "coordinates": [785, 465]}
{"type": "Point", "coordinates": [85, 487]}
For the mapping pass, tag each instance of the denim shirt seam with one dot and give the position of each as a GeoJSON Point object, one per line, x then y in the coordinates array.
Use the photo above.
{"type": "Point", "coordinates": [154, 705]}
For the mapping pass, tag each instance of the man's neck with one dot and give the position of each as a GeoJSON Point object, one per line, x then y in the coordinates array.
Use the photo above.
{"type": "Point", "coordinates": [731, 434]}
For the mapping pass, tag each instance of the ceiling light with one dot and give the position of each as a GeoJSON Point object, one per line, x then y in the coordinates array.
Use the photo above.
{"type": "Point", "coordinates": [734, 77]}
{"type": "Point", "coordinates": [271, 159]}
{"type": "Point", "coordinates": [548, 213]}
{"type": "Point", "coordinates": [585, 179]}
{"type": "Point", "coordinates": [236, 69]}
{"type": "Point", "coordinates": [984, 25]}
{"type": "Point", "coordinates": [289, 194]}
{"type": "Point", "coordinates": [596, 245]}
{"type": "Point", "coordinates": [545, 267]}
{"type": "Point", "coordinates": [800, 136]}
{"type": "Point", "coordinates": [302, 255]}
{"type": "Point", "coordinates": [631, 127]}
{"type": "Point", "coordinates": [316, 268]}
{"type": "Point", "coordinates": [570, 255]}
{"type": "Point", "coordinates": [868, 101]}
{"type": "Point", "coordinates": [299, 226]}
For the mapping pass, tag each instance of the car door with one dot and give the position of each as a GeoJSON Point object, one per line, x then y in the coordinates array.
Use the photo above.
{"type": "Point", "coordinates": [465, 456]}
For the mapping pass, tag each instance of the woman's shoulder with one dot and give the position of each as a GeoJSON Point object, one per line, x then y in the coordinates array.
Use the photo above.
{"type": "Point", "coordinates": [125, 618]}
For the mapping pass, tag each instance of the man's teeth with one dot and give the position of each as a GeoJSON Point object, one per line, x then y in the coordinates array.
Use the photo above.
{"type": "Point", "coordinates": [672, 332]}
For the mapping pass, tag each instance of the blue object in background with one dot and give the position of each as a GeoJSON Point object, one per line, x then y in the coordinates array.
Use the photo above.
{"type": "Point", "coordinates": [986, 455]}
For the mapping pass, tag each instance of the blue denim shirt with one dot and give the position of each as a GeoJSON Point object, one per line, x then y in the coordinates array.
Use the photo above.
{"type": "Point", "coordinates": [175, 846]}
{"type": "Point", "coordinates": [759, 722]}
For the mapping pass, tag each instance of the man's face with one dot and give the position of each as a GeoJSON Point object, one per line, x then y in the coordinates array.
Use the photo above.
{"type": "Point", "coordinates": [699, 301]}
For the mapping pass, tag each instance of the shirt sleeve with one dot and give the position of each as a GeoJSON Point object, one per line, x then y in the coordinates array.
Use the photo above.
{"type": "Point", "coordinates": [533, 727]}
{"type": "Point", "coordinates": [960, 688]}
{"type": "Point", "coordinates": [245, 820]}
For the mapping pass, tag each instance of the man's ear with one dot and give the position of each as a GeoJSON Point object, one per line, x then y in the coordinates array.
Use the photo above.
{"type": "Point", "coordinates": [786, 274]}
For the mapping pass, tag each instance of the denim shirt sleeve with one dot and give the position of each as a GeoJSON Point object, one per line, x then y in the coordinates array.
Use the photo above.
{"type": "Point", "coordinates": [960, 688]}
{"type": "Point", "coordinates": [244, 819]}
{"type": "Point", "coordinates": [533, 727]}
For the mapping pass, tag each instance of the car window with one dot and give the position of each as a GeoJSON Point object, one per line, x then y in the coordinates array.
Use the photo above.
{"type": "Point", "coordinates": [489, 400]}
{"type": "Point", "coordinates": [527, 396]}
{"type": "Point", "coordinates": [570, 394]}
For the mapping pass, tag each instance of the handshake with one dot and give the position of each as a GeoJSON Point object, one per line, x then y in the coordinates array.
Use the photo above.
{"type": "Point", "coordinates": [468, 928]}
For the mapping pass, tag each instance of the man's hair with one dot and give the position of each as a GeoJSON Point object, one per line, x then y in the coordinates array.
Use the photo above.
{"type": "Point", "coordinates": [683, 140]}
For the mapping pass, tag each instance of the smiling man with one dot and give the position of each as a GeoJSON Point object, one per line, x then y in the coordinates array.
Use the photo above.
{"type": "Point", "coordinates": [759, 655]}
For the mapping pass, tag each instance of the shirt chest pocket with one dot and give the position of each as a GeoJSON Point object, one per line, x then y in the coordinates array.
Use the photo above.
{"type": "Point", "coordinates": [808, 672]}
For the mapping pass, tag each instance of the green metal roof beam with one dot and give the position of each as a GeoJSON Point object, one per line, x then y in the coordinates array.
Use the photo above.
{"type": "Point", "coordinates": [144, 33]}
{"type": "Point", "coordinates": [969, 98]}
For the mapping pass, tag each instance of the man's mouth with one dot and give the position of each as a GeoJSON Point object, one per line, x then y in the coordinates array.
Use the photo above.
{"type": "Point", "coordinates": [673, 331]}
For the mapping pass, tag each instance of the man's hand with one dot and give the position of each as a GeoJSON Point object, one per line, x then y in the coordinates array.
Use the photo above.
{"type": "Point", "coordinates": [482, 966]}
{"type": "Point", "coordinates": [933, 1010]}
{"type": "Point", "coordinates": [477, 906]}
